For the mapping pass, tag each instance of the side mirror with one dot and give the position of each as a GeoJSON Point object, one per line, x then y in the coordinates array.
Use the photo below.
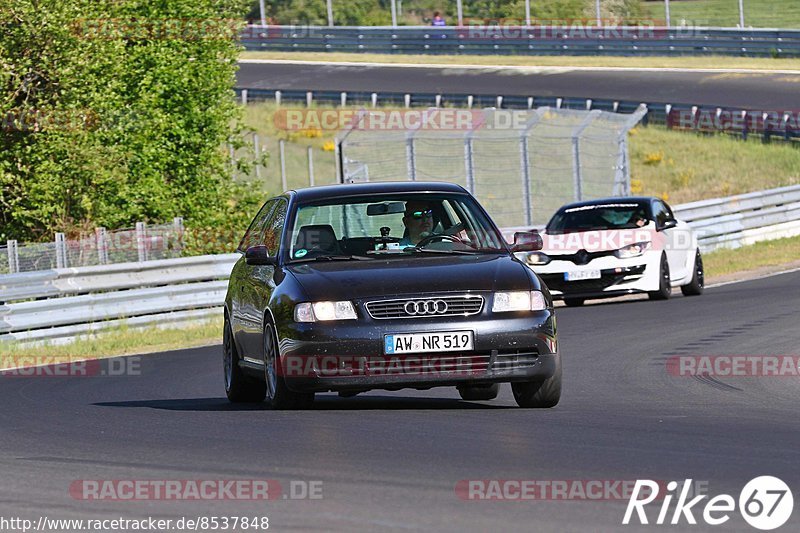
{"type": "Point", "coordinates": [259, 255]}
{"type": "Point", "coordinates": [527, 241]}
{"type": "Point", "coordinates": [668, 224]}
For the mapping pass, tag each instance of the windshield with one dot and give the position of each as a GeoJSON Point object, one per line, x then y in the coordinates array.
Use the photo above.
{"type": "Point", "coordinates": [388, 225]}
{"type": "Point", "coordinates": [599, 217]}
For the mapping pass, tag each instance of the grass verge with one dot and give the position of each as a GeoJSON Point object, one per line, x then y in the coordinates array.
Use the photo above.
{"type": "Point", "coordinates": [117, 342]}
{"type": "Point", "coordinates": [769, 255]}
{"type": "Point", "coordinates": [680, 62]}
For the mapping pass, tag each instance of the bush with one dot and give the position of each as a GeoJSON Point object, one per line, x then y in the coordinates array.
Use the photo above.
{"type": "Point", "coordinates": [118, 111]}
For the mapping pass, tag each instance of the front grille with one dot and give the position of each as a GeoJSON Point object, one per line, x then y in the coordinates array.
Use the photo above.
{"type": "Point", "coordinates": [461, 305]}
{"type": "Point", "coordinates": [608, 278]}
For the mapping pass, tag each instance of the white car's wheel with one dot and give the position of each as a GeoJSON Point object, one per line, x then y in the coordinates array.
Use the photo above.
{"type": "Point", "coordinates": [664, 287]}
{"type": "Point", "coordinates": [696, 286]}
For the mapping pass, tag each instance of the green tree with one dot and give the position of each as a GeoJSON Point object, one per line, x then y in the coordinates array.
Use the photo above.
{"type": "Point", "coordinates": [117, 111]}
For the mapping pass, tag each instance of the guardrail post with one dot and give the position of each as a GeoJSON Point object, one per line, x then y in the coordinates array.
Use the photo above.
{"type": "Point", "coordinates": [141, 241]}
{"type": "Point", "coordinates": [309, 98]}
{"type": "Point", "coordinates": [374, 98]}
{"type": "Point", "coordinates": [310, 152]}
{"type": "Point", "coordinates": [343, 99]}
{"type": "Point", "coordinates": [244, 96]}
{"type": "Point", "coordinates": [13, 256]}
{"type": "Point", "coordinates": [102, 245]}
{"type": "Point", "coordinates": [282, 156]}
{"type": "Point", "coordinates": [278, 98]}
{"type": "Point", "coordinates": [61, 251]}
{"type": "Point", "coordinates": [407, 100]}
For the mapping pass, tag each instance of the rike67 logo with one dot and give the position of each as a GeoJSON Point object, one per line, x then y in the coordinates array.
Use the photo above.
{"type": "Point", "coordinates": [765, 503]}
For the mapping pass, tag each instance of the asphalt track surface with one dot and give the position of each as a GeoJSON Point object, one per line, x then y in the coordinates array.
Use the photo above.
{"type": "Point", "coordinates": [390, 461]}
{"type": "Point", "coordinates": [754, 91]}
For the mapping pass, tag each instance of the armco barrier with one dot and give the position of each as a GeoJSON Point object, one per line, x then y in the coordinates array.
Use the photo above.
{"type": "Point", "coordinates": [57, 305]}
{"type": "Point", "coordinates": [535, 40]}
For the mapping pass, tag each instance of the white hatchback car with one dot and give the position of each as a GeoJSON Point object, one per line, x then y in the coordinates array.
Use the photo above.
{"type": "Point", "coordinates": [617, 246]}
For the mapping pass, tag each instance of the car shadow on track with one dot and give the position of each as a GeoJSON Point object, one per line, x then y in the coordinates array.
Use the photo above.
{"type": "Point", "coordinates": [324, 403]}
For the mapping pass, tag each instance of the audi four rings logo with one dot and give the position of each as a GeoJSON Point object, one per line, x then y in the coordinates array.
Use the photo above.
{"type": "Point", "coordinates": [426, 307]}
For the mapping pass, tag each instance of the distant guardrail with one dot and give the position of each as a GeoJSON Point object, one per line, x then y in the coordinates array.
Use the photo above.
{"type": "Point", "coordinates": [744, 219]}
{"type": "Point", "coordinates": [60, 304]}
{"type": "Point", "coordinates": [744, 123]}
{"type": "Point", "coordinates": [520, 40]}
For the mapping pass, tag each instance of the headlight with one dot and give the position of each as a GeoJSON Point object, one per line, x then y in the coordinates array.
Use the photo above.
{"type": "Point", "coordinates": [518, 301]}
{"type": "Point", "coordinates": [322, 311]}
{"type": "Point", "coordinates": [537, 258]}
{"type": "Point", "coordinates": [633, 250]}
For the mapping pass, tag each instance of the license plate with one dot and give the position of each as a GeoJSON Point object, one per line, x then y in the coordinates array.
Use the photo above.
{"type": "Point", "coordinates": [582, 274]}
{"type": "Point", "coordinates": [447, 341]}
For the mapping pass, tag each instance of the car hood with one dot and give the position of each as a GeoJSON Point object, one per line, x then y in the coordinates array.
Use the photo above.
{"type": "Point", "coordinates": [345, 280]}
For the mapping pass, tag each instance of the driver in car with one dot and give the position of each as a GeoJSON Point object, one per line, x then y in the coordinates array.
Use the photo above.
{"type": "Point", "coordinates": [418, 220]}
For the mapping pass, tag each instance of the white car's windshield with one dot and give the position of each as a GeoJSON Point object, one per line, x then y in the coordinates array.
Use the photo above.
{"type": "Point", "coordinates": [391, 225]}
{"type": "Point", "coordinates": [599, 217]}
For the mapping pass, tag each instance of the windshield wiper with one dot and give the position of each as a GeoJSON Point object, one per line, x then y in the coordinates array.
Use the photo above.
{"type": "Point", "coordinates": [417, 249]}
{"type": "Point", "coordinates": [332, 258]}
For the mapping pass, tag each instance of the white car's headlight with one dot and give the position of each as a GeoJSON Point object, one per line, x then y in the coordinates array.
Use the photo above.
{"type": "Point", "coordinates": [518, 301]}
{"type": "Point", "coordinates": [323, 311]}
{"type": "Point", "coordinates": [537, 258]}
{"type": "Point", "coordinates": [633, 250]}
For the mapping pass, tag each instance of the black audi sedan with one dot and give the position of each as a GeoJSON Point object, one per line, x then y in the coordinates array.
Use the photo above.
{"type": "Point", "coordinates": [355, 287]}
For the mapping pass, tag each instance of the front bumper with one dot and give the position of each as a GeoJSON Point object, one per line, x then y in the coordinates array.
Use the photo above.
{"type": "Point", "coordinates": [348, 355]}
{"type": "Point", "coordinates": [617, 276]}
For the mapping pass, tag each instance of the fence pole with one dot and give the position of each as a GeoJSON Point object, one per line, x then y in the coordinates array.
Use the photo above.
{"type": "Point", "coordinates": [310, 153]}
{"type": "Point", "coordinates": [13, 256]}
{"type": "Point", "coordinates": [257, 152]}
{"type": "Point", "coordinates": [666, 13]}
{"type": "Point", "coordinates": [282, 155]}
{"type": "Point", "coordinates": [330, 12]}
{"type": "Point", "coordinates": [61, 251]}
{"type": "Point", "coordinates": [177, 224]}
{"type": "Point", "coordinates": [525, 168]}
{"type": "Point", "coordinates": [102, 245]}
{"type": "Point", "coordinates": [576, 154]}
{"type": "Point", "coordinates": [232, 153]}
{"type": "Point", "coordinates": [741, 14]}
{"type": "Point", "coordinates": [141, 241]}
{"type": "Point", "coordinates": [394, 13]}
{"type": "Point", "coordinates": [527, 13]}
{"type": "Point", "coordinates": [411, 158]}
{"type": "Point", "coordinates": [597, 9]}
{"type": "Point", "coordinates": [469, 163]}
{"type": "Point", "coordinates": [460, 13]}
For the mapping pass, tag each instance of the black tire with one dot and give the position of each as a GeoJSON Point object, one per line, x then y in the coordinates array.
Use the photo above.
{"type": "Point", "coordinates": [477, 393]}
{"type": "Point", "coordinates": [239, 388]}
{"type": "Point", "coordinates": [278, 395]}
{"type": "Point", "coordinates": [665, 287]}
{"type": "Point", "coordinates": [539, 394]}
{"type": "Point", "coordinates": [695, 287]}
{"type": "Point", "coordinates": [574, 302]}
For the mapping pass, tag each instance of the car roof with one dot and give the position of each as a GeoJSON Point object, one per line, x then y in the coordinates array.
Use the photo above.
{"type": "Point", "coordinates": [356, 189]}
{"type": "Point", "coordinates": [612, 200]}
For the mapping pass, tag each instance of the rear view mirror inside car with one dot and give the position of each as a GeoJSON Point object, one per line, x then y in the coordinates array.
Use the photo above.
{"type": "Point", "coordinates": [385, 208]}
